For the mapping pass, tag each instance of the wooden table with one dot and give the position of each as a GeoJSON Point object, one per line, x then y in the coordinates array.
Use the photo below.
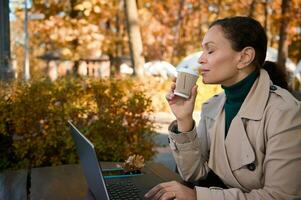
{"type": "Point", "coordinates": [61, 182]}
{"type": "Point", "coordinates": [13, 185]}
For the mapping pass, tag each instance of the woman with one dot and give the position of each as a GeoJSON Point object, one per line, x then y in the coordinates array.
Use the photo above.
{"type": "Point", "coordinates": [249, 135]}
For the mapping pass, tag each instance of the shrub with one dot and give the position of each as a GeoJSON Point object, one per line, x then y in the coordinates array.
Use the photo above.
{"type": "Point", "coordinates": [113, 113]}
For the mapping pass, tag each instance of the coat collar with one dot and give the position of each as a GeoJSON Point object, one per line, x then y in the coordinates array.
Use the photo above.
{"type": "Point", "coordinates": [252, 107]}
{"type": "Point", "coordinates": [214, 105]}
{"type": "Point", "coordinates": [255, 102]}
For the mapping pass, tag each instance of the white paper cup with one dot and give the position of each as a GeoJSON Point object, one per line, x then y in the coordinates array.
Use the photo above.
{"type": "Point", "coordinates": [186, 79]}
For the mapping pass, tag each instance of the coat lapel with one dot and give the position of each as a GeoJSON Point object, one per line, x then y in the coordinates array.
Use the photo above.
{"type": "Point", "coordinates": [218, 159]}
{"type": "Point", "coordinates": [238, 147]}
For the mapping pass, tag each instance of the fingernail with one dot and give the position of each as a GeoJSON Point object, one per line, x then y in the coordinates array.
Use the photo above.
{"type": "Point", "coordinates": [170, 97]}
{"type": "Point", "coordinates": [146, 195]}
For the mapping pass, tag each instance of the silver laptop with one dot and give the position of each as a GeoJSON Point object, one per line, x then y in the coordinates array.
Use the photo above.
{"type": "Point", "coordinates": [130, 187]}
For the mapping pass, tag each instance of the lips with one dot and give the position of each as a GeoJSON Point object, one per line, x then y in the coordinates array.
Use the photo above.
{"type": "Point", "coordinates": [204, 71]}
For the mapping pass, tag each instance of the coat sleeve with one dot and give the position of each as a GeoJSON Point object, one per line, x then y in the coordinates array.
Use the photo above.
{"type": "Point", "coordinates": [191, 151]}
{"type": "Point", "coordinates": [282, 164]}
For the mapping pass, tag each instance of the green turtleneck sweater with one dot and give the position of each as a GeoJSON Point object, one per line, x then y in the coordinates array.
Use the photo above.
{"type": "Point", "coordinates": [235, 96]}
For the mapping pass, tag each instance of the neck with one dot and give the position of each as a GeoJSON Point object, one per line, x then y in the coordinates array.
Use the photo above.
{"type": "Point", "coordinates": [235, 96]}
{"type": "Point", "coordinates": [239, 91]}
{"type": "Point", "coordinates": [243, 73]}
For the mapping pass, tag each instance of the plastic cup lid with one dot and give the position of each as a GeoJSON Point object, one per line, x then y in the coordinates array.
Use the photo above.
{"type": "Point", "coordinates": [188, 70]}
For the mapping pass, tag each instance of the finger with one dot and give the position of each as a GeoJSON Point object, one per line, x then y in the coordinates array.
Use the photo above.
{"type": "Point", "coordinates": [165, 188]}
{"type": "Point", "coordinates": [155, 190]}
{"type": "Point", "coordinates": [169, 96]}
{"type": "Point", "coordinates": [151, 194]}
{"type": "Point", "coordinates": [174, 79]}
{"type": "Point", "coordinates": [168, 195]}
{"type": "Point", "coordinates": [194, 92]}
{"type": "Point", "coordinates": [173, 86]}
{"type": "Point", "coordinates": [159, 194]}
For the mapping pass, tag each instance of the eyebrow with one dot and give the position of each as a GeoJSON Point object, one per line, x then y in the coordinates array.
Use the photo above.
{"type": "Point", "coordinates": [207, 44]}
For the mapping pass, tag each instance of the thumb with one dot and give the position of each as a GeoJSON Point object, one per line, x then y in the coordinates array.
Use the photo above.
{"type": "Point", "coordinates": [194, 92]}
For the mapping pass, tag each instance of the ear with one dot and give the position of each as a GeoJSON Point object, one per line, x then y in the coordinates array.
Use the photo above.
{"type": "Point", "coordinates": [247, 56]}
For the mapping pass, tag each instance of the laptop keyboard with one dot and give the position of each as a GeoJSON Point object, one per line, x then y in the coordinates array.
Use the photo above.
{"type": "Point", "coordinates": [123, 190]}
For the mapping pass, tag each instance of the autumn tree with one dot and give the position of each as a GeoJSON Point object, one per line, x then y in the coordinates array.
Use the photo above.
{"type": "Point", "coordinates": [135, 41]}
{"type": "Point", "coordinates": [170, 29]}
{"type": "Point", "coordinates": [294, 31]}
{"type": "Point", "coordinates": [283, 43]}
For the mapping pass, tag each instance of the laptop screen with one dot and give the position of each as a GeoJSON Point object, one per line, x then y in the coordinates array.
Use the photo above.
{"type": "Point", "coordinates": [89, 163]}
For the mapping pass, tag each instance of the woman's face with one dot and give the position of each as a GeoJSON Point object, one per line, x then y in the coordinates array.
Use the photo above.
{"type": "Point", "coordinates": [219, 61]}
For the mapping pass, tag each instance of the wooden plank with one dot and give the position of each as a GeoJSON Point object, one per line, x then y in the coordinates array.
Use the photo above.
{"type": "Point", "coordinates": [60, 182]}
{"type": "Point", "coordinates": [13, 184]}
{"type": "Point", "coordinates": [162, 172]}
{"type": "Point", "coordinates": [68, 181]}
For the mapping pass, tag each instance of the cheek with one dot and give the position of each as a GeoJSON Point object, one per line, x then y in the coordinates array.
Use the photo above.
{"type": "Point", "coordinates": [221, 67]}
{"type": "Point", "coordinates": [221, 61]}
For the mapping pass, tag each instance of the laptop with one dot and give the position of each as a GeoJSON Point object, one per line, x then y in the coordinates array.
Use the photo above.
{"type": "Point", "coordinates": [125, 187]}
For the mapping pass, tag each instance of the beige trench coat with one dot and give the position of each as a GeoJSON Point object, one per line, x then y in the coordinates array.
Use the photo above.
{"type": "Point", "coordinates": [260, 159]}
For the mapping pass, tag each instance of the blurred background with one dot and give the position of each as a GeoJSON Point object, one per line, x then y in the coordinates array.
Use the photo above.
{"type": "Point", "coordinates": [107, 64]}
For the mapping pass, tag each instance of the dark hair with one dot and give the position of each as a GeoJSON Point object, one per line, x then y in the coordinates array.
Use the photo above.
{"type": "Point", "coordinates": [247, 32]}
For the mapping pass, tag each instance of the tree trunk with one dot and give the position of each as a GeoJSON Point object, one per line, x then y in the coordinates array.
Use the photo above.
{"type": "Point", "coordinates": [299, 33]}
{"type": "Point", "coordinates": [6, 71]}
{"type": "Point", "coordinates": [265, 5]}
{"type": "Point", "coordinates": [219, 7]}
{"type": "Point", "coordinates": [200, 18]}
{"type": "Point", "coordinates": [26, 44]}
{"type": "Point", "coordinates": [177, 30]}
{"type": "Point", "coordinates": [283, 43]}
{"type": "Point", "coordinates": [252, 8]}
{"type": "Point", "coordinates": [135, 40]}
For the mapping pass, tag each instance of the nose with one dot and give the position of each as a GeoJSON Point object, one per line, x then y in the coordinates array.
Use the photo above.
{"type": "Point", "coordinates": [202, 59]}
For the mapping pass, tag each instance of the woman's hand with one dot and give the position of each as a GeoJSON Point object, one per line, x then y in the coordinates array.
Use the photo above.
{"type": "Point", "coordinates": [182, 108]}
{"type": "Point", "coordinates": [171, 190]}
